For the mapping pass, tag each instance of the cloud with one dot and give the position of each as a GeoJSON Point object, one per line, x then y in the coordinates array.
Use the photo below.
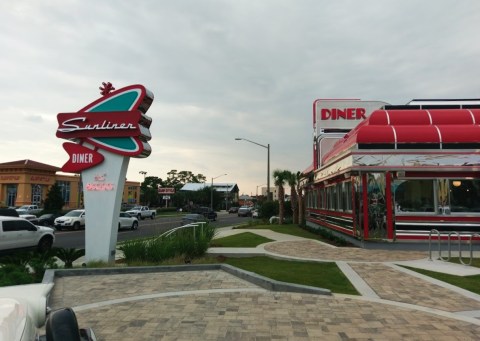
{"type": "Point", "coordinates": [225, 69]}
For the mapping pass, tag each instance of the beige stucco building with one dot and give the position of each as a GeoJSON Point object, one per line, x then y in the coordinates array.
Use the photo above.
{"type": "Point", "coordinates": [27, 182]}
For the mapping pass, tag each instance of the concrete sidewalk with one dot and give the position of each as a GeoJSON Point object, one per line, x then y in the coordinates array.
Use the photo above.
{"type": "Point", "coordinates": [196, 303]}
{"type": "Point", "coordinates": [319, 251]}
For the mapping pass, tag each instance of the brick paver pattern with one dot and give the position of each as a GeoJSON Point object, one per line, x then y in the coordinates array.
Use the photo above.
{"type": "Point", "coordinates": [189, 312]}
{"type": "Point", "coordinates": [313, 250]}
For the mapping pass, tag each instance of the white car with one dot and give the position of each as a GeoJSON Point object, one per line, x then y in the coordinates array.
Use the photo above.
{"type": "Point", "coordinates": [18, 233]}
{"type": "Point", "coordinates": [126, 221]}
{"type": "Point", "coordinates": [23, 310]}
{"type": "Point", "coordinates": [72, 220]}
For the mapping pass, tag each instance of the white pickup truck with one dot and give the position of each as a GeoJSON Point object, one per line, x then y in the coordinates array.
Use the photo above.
{"type": "Point", "coordinates": [142, 212]}
{"type": "Point", "coordinates": [29, 209]}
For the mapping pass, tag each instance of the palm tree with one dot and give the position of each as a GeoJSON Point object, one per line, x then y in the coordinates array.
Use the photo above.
{"type": "Point", "coordinates": [301, 211]}
{"type": "Point", "coordinates": [292, 179]}
{"type": "Point", "coordinates": [280, 176]}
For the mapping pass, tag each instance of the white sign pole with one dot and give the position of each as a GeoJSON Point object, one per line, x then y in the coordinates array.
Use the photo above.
{"type": "Point", "coordinates": [102, 190]}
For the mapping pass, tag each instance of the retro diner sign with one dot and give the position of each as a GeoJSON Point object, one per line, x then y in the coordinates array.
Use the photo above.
{"type": "Point", "coordinates": [102, 137]}
{"type": "Point", "coordinates": [342, 113]}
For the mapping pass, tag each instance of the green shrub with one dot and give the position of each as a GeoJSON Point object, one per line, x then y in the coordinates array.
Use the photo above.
{"type": "Point", "coordinates": [327, 234]}
{"type": "Point", "coordinates": [187, 243]}
{"type": "Point", "coordinates": [25, 267]}
{"type": "Point", "coordinates": [15, 274]}
{"type": "Point", "coordinates": [68, 256]}
{"type": "Point", "coordinates": [268, 209]}
{"type": "Point", "coordinates": [166, 209]}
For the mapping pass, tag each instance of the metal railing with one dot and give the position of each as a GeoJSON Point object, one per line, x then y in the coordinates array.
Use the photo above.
{"type": "Point", "coordinates": [191, 225]}
{"type": "Point", "coordinates": [459, 236]}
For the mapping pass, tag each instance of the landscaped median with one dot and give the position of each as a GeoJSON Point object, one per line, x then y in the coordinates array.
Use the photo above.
{"type": "Point", "coordinates": [316, 274]}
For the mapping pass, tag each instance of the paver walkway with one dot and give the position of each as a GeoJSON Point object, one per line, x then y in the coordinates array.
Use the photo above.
{"type": "Point", "coordinates": [215, 305]}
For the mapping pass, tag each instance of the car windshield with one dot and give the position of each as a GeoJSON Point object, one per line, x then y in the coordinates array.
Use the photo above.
{"type": "Point", "coordinates": [24, 207]}
{"type": "Point", "coordinates": [136, 208]}
{"type": "Point", "coordinates": [74, 214]}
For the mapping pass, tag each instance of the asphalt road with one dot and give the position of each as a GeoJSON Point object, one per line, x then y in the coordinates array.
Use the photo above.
{"type": "Point", "coordinates": [146, 228]}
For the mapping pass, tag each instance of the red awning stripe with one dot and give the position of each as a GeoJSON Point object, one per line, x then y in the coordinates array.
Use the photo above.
{"type": "Point", "coordinates": [425, 127]}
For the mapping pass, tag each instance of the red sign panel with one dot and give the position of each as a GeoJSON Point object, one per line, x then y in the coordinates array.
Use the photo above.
{"type": "Point", "coordinates": [166, 190]}
{"type": "Point", "coordinates": [91, 124]}
{"type": "Point", "coordinates": [80, 158]}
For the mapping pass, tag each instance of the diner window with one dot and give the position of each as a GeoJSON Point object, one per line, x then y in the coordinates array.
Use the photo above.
{"type": "Point", "coordinates": [321, 200]}
{"type": "Point", "coordinates": [315, 195]}
{"type": "Point", "coordinates": [339, 196]}
{"type": "Point", "coordinates": [347, 196]}
{"type": "Point", "coordinates": [331, 198]}
{"type": "Point", "coordinates": [464, 195]}
{"type": "Point", "coordinates": [414, 195]}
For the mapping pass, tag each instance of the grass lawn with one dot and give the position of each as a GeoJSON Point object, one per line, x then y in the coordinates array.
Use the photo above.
{"type": "Point", "coordinates": [470, 283]}
{"type": "Point", "coordinates": [321, 275]}
{"type": "Point", "coordinates": [466, 260]}
{"type": "Point", "coordinates": [245, 239]}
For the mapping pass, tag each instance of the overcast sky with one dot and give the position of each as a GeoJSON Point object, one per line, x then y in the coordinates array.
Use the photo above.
{"type": "Point", "coordinates": [225, 69]}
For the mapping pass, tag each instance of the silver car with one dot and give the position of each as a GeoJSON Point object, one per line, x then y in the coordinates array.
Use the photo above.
{"type": "Point", "coordinates": [126, 221]}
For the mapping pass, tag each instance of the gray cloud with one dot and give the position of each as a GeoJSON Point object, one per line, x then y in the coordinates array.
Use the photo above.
{"type": "Point", "coordinates": [225, 69]}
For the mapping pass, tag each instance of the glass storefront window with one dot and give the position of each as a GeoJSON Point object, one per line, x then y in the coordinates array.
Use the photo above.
{"type": "Point", "coordinates": [414, 196]}
{"type": "Point", "coordinates": [440, 196]}
{"type": "Point", "coordinates": [347, 196]}
{"type": "Point", "coordinates": [339, 196]}
{"type": "Point", "coordinates": [464, 195]}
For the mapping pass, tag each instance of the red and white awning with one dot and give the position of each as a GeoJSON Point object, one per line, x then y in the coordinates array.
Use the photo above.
{"type": "Point", "coordinates": [408, 129]}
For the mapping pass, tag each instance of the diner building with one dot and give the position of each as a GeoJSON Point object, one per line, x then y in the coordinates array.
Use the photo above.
{"type": "Point", "coordinates": [27, 182]}
{"type": "Point", "coordinates": [395, 172]}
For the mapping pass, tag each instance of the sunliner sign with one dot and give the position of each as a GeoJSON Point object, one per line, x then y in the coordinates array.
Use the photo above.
{"type": "Point", "coordinates": [103, 136]}
{"type": "Point", "coordinates": [115, 122]}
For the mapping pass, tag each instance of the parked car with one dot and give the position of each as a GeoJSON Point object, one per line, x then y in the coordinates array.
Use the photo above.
{"type": "Point", "coordinates": [126, 221]}
{"type": "Point", "coordinates": [193, 218]}
{"type": "Point", "coordinates": [29, 209]}
{"type": "Point", "coordinates": [72, 220]}
{"type": "Point", "coordinates": [9, 212]}
{"type": "Point", "coordinates": [30, 217]}
{"type": "Point", "coordinates": [207, 212]}
{"type": "Point", "coordinates": [48, 219]}
{"type": "Point", "coordinates": [233, 209]}
{"type": "Point", "coordinates": [18, 233]}
{"type": "Point", "coordinates": [244, 211]}
{"type": "Point", "coordinates": [255, 214]}
{"type": "Point", "coordinates": [24, 311]}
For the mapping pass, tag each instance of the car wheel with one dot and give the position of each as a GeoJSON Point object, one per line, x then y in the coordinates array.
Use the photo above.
{"type": "Point", "coordinates": [135, 225]}
{"type": "Point", "coordinates": [45, 244]}
{"type": "Point", "coordinates": [76, 226]}
{"type": "Point", "coordinates": [153, 216]}
{"type": "Point", "coordinates": [62, 325]}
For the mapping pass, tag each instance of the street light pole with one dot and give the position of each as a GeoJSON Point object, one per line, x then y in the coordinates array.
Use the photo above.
{"type": "Point", "coordinates": [143, 173]}
{"type": "Point", "coordinates": [268, 162]}
{"type": "Point", "coordinates": [256, 193]}
{"type": "Point", "coordinates": [211, 191]}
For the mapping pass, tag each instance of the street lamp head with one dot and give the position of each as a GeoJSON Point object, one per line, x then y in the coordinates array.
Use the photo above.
{"type": "Point", "coordinates": [238, 138]}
